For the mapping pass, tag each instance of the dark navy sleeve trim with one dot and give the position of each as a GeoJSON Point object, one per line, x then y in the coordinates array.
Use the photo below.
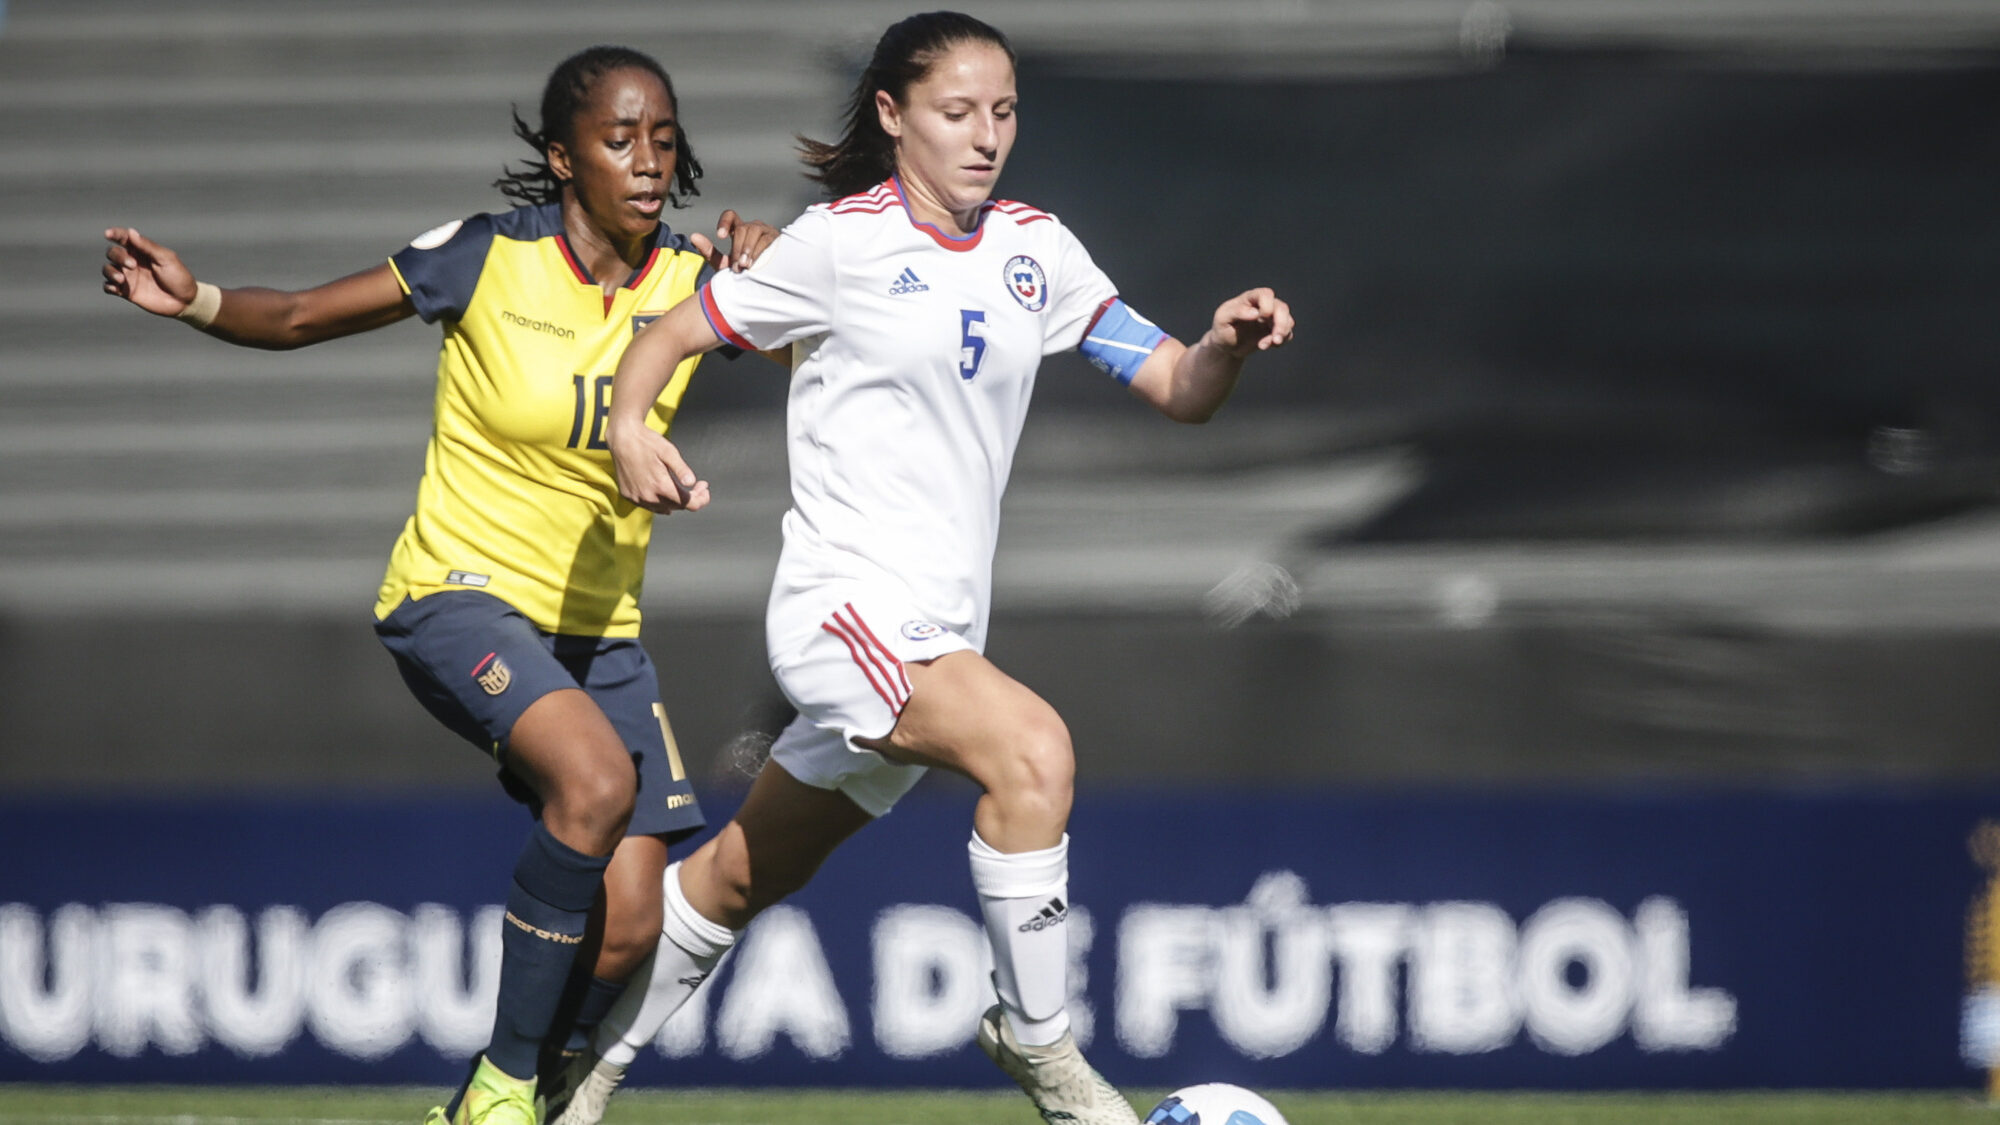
{"type": "Point", "coordinates": [526, 224]}
{"type": "Point", "coordinates": [440, 278]}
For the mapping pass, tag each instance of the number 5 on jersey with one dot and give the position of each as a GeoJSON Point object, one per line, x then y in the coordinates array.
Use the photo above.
{"type": "Point", "coordinates": [971, 342]}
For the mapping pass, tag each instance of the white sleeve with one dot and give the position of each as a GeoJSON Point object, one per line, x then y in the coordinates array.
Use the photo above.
{"type": "Point", "coordinates": [1078, 290]}
{"type": "Point", "coordinates": [787, 295]}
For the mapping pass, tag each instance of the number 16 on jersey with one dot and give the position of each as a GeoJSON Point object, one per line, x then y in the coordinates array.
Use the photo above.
{"type": "Point", "coordinates": [971, 342]}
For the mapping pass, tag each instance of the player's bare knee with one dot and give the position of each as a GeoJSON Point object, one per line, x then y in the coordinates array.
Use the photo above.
{"type": "Point", "coordinates": [593, 806]}
{"type": "Point", "coordinates": [1037, 776]}
{"type": "Point", "coordinates": [611, 787]}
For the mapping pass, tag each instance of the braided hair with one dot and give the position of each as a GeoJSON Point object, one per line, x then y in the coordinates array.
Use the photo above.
{"type": "Point", "coordinates": [568, 89]}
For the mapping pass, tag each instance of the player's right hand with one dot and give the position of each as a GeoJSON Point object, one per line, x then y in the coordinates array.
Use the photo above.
{"type": "Point", "coordinates": [146, 273]}
{"type": "Point", "coordinates": [651, 472]}
{"type": "Point", "coordinates": [1253, 321]}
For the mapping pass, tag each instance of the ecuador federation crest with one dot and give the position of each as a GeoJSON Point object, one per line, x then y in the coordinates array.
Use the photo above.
{"type": "Point", "coordinates": [493, 675]}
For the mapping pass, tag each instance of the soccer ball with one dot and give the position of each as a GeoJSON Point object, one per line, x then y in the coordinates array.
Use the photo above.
{"type": "Point", "coordinates": [1214, 1103]}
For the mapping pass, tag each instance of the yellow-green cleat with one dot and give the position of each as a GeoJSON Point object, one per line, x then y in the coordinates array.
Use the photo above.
{"type": "Point", "coordinates": [492, 1097]}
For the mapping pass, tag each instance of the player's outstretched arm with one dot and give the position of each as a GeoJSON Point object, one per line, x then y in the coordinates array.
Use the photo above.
{"type": "Point", "coordinates": [152, 277]}
{"type": "Point", "coordinates": [650, 470]}
{"type": "Point", "coordinates": [1189, 384]}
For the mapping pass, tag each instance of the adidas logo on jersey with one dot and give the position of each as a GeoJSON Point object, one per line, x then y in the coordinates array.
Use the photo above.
{"type": "Point", "coordinates": [1053, 913]}
{"type": "Point", "coordinates": [906, 282]}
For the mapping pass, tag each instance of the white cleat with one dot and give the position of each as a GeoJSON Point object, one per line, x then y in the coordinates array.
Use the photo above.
{"type": "Point", "coordinates": [1063, 1086]}
{"type": "Point", "coordinates": [587, 1085]}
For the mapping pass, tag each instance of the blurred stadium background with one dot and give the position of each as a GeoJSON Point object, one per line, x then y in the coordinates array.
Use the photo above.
{"type": "Point", "coordinates": [1615, 552]}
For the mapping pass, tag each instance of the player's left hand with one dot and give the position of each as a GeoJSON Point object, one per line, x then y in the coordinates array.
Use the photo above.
{"type": "Point", "coordinates": [651, 472]}
{"type": "Point", "coordinates": [747, 239]}
{"type": "Point", "coordinates": [1252, 321]}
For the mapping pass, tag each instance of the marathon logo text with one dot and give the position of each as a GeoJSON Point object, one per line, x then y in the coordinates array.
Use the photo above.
{"type": "Point", "coordinates": [543, 326]}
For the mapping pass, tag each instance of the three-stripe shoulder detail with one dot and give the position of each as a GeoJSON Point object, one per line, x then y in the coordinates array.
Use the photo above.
{"type": "Point", "coordinates": [1021, 213]}
{"type": "Point", "coordinates": [872, 202]}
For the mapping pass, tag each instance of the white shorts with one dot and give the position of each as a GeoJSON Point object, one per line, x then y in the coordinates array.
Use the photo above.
{"type": "Point", "coordinates": [843, 669]}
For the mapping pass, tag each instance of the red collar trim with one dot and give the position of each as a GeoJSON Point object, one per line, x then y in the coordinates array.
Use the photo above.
{"type": "Point", "coordinates": [638, 277]}
{"type": "Point", "coordinates": [583, 275]}
{"type": "Point", "coordinates": [957, 245]}
{"type": "Point", "coordinates": [575, 267]}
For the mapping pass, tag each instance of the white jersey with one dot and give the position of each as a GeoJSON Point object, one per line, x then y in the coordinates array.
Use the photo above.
{"type": "Point", "coordinates": [914, 355]}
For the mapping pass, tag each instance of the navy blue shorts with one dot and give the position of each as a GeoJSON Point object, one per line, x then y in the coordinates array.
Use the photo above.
{"type": "Point", "coordinates": [476, 663]}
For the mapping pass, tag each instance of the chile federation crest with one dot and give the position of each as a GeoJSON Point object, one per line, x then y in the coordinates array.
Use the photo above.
{"type": "Point", "coordinates": [1026, 282]}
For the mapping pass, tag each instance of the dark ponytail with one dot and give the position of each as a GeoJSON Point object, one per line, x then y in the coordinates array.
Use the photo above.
{"type": "Point", "coordinates": [865, 155]}
{"type": "Point", "coordinates": [568, 88]}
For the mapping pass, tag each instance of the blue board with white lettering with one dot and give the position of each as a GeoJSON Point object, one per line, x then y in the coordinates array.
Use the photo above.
{"type": "Point", "coordinates": [1275, 940]}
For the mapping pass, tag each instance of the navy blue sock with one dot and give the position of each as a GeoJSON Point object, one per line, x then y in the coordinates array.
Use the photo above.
{"type": "Point", "coordinates": [597, 1000]}
{"type": "Point", "coordinates": [554, 885]}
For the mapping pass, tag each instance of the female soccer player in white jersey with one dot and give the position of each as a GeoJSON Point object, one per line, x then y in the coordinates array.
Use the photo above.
{"type": "Point", "coordinates": [511, 599]}
{"type": "Point", "coordinates": [918, 309]}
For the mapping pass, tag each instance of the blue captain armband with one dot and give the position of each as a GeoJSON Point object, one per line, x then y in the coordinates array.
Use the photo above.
{"type": "Point", "coordinates": [1119, 340]}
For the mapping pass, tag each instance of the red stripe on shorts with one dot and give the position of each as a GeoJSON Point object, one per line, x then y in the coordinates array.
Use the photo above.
{"type": "Point", "coordinates": [899, 684]}
{"type": "Point", "coordinates": [854, 651]}
{"type": "Point", "coordinates": [883, 662]}
{"type": "Point", "coordinates": [884, 650]}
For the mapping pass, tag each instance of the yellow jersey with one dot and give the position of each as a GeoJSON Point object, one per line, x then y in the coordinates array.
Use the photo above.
{"type": "Point", "coordinates": [518, 497]}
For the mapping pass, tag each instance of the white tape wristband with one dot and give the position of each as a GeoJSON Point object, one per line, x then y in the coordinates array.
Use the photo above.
{"type": "Point", "coordinates": [201, 311]}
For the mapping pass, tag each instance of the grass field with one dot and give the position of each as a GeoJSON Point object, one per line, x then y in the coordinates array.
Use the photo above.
{"type": "Point", "coordinates": [52, 1105]}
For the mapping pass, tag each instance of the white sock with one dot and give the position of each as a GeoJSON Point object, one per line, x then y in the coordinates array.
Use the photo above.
{"type": "Point", "coordinates": [690, 947]}
{"type": "Point", "coordinates": [1024, 898]}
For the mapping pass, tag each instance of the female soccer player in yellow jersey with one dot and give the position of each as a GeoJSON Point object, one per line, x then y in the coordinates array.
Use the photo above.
{"type": "Point", "coordinates": [511, 598]}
